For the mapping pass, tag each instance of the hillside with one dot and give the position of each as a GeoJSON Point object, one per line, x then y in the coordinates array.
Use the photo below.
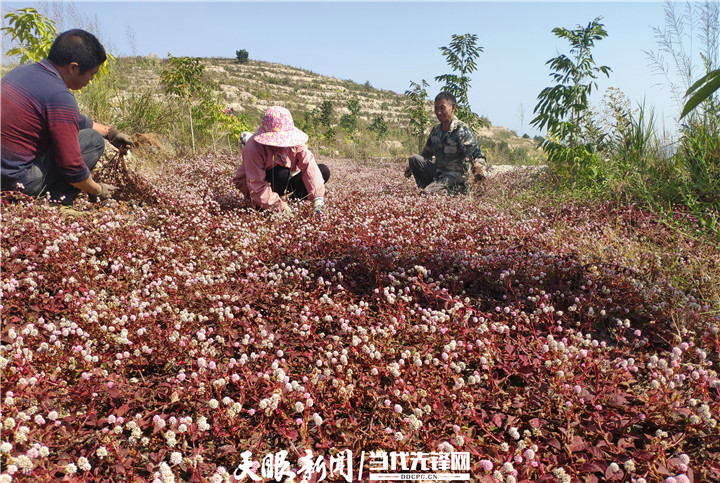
{"type": "Point", "coordinates": [256, 85]}
{"type": "Point", "coordinates": [252, 87]}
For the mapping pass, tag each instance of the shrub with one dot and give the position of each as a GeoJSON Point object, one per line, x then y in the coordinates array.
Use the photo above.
{"type": "Point", "coordinates": [348, 123]}
{"type": "Point", "coordinates": [144, 110]}
{"type": "Point", "coordinates": [699, 155]}
{"type": "Point", "coordinates": [417, 111]}
{"type": "Point", "coordinates": [379, 126]}
{"type": "Point", "coordinates": [242, 56]}
{"type": "Point", "coordinates": [325, 114]}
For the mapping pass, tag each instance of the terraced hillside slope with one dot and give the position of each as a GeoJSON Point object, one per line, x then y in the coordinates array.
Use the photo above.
{"type": "Point", "coordinates": [256, 85]}
{"type": "Point", "coordinates": [252, 87]}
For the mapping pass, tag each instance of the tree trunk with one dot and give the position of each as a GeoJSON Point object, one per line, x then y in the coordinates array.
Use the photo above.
{"type": "Point", "coordinates": [192, 129]}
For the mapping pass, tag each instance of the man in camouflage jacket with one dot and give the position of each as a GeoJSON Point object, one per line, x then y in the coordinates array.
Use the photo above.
{"type": "Point", "coordinates": [456, 151]}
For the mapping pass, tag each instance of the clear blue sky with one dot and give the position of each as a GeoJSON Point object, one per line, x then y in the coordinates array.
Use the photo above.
{"type": "Point", "coordinates": [390, 44]}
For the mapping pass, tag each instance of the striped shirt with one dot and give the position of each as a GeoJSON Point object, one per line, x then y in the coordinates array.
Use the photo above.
{"type": "Point", "coordinates": [38, 112]}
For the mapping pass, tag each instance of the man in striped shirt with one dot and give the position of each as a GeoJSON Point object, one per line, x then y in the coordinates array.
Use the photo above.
{"type": "Point", "coordinates": [48, 147]}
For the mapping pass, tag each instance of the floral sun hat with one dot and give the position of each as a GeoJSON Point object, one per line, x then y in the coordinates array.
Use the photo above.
{"type": "Point", "coordinates": [278, 129]}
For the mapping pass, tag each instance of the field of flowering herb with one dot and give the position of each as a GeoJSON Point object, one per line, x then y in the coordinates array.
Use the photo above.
{"type": "Point", "coordinates": [159, 341]}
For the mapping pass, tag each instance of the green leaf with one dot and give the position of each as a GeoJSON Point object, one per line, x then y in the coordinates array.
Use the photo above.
{"type": "Point", "coordinates": [33, 32]}
{"type": "Point", "coordinates": [701, 90]}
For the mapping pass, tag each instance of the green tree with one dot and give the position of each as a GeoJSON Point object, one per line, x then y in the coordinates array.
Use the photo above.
{"type": "Point", "coordinates": [325, 116]}
{"type": "Point", "coordinates": [353, 106]}
{"type": "Point", "coordinates": [213, 117]}
{"type": "Point", "coordinates": [560, 107]}
{"type": "Point", "coordinates": [330, 134]}
{"type": "Point", "coordinates": [242, 56]}
{"type": "Point", "coordinates": [461, 55]}
{"type": "Point", "coordinates": [306, 123]}
{"type": "Point", "coordinates": [32, 32]}
{"type": "Point", "coordinates": [184, 78]}
{"type": "Point", "coordinates": [418, 112]}
{"type": "Point", "coordinates": [379, 126]}
{"type": "Point", "coordinates": [349, 122]}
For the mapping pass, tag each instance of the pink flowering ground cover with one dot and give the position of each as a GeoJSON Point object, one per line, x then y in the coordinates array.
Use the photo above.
{"type": "Point", "coordinates": [158, 341]}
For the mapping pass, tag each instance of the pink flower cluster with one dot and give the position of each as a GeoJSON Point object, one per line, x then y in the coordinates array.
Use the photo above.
{"type": "Point", "coordinates": [157, 341]}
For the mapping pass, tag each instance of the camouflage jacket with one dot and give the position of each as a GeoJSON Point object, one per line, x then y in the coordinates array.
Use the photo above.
{"type": "Point", "coordinates": [455, 152]}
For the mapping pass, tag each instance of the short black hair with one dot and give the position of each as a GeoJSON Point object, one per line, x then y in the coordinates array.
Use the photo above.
{"type": "Point", "coordinates": [77, 46]}
{"type": "Point", "coordinates": [446, 96]}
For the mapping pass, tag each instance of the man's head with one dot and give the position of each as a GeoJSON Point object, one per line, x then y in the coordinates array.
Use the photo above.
{"type": "Point", "coordinates": [78, 54]}
{"type": "Point", "coordinates": [445, 104]}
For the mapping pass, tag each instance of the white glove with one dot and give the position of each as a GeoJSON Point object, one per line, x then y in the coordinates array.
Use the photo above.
{"type": "Point", "coordinates": [318, 205]}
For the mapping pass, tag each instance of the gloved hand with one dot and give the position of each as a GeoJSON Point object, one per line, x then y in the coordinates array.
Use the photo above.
{"type": "Point", "coordinates": [105, 194]}
{"type": "Point", "coordinates": [318, 206]}
{"type": "Point", "coordinates": [285, 210]}
{"type": "Point", "coordinates": [408, 172]}
{"type": "Point", "coordinates": [245, 137]}
{"type": "Point", "coordinates": [479, 169]}
{"type": "Point", "coordinates": [119, 139]}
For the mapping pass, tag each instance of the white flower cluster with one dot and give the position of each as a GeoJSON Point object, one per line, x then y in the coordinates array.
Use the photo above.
{"type": "Point", "coordinates": [394, 369]}
{"type": "Point", "coordinates": [561, 475]}
{"type": "Point", "coordinates": [445, 447]}
{"type": "Point", "coordinates": [706, 416]}
{"type": "Point", "coordinates": [135, 431]}
{"type": "Point", "coordinates": [473, 379]}
{"type": "Point", "coordinates": [84, 464]}
{"type": "Point", "coordinates": [203, 424]}
{"type": "Point", "coordinates": [234, 409]}
{"type": "Point", "coordinates": [317, 419]}
{"type": "Point", "coordinates": [414, 422]}
{"type": "Point", "coordinates": [170, 438]}
{"type": "Point", "coordinates": [270, 404]}
{"type": "Point", "coordinates": [165, 475]}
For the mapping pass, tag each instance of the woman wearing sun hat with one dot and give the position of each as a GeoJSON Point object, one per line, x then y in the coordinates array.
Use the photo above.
{"type": "Point", "coordinates": [276, 160]}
